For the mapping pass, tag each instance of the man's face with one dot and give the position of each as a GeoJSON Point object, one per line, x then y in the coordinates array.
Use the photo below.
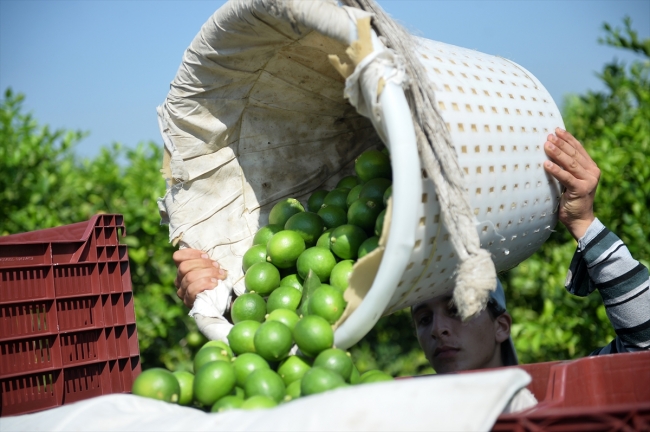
{"type": "Point", "coordinates": [451, 345]}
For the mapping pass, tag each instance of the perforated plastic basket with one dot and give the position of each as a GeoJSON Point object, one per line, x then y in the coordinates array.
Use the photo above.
{"type": "Point", "coordinates": [67, 322]}
{"type": "Point", "coordinates": [257, 113]}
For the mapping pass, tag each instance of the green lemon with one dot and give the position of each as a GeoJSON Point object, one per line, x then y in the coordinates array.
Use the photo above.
{"type": "Point", "coordinates": [337, 361]}
{"type": "Point", "coordinates": [282, 211]}
{"type": "Point", "coordinates": [353, 195]}
{"type": "Point", "coordinates": [316, 200]}
{"type": "Point", "coordinates": [375, 190]}
{"type": "Point", "coordinates": [273, 340]}
{"type": "Point", "coordinates": [318, 259]}
{"type": "Point", "coordinates": [207, 355]}
{"type": "Point", "coordinates": [186, 382]}
{"type": "Point", "coordinates": [387, 195]}
{"type": "Point", "coordinates": [195, 339]}
{"type": "Point", "coordinates": [293, 391]}
{"type": "Point", "coordinates": [355, 376]}
{"type": "Point", "coordinates": [318, 380]}
{"type": "Point", "coordinates": [262, 278]}
{"type": "Point", "coordinates": [333, 216]}
{"type": "Point", "coordinates": [368, 246]}
{"type": "Point", "coordinates": [246, 364]}
{"type": "Point", "coordinates": [374, 376]}
{"type": "Point", "coordinates": [241, 336]}
{"type": "Point", "coordinates": [285, 297]}
{"type": "Point", "coordinates": [264, 234]}
{"type": "Point", "coordinates": [379, 223]}
{"type": "Point", "coordinates": [248, 306]}
{"type": "Point", "coordinates": [284, 248]}
{"type": "Point", "coordinates": [157, 383]}
{"type": "Point", "coordinates": [324, 239]}
{"type": "Point", "coordinates": [293, 368]}
{"type": "Point", "coordinates": [372, 164]}
{"type": "Point", "coordinates": [346, 240]}
{"type": "Point", "coordinates": [285, 316]}
{"type": "Point", "coordinates": [363, 213]}
{"type": "Point", "coordinates": [313, 334]}
{"type": "Point", "coordinates": [328, 303]}
{"type": "Point", "coordinates": [254, 255]}
{"type": "Point", "coordinates": [340, 276]}
{"type": "Point", "coordinates": [337, 198]}
{"type": "Point", "coordinates": [258, 402]}
{"type": "Point", "coordinates": [292, 280]}
{"type": "Point", "coordinates": [348, 182]}
{"type": "Point", "coordinates": [227, 403]}
{"type": "Point", "coordinates": [309, 225]}
{"type": "Point", "coordinates": [213, 381]}
{"type": "Point", "coordinates": [265, 382]}
{"type": "Point", "coordinates": [225, 348]}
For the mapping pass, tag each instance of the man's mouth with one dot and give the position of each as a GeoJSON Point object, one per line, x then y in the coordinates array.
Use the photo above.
{"type": "Point", "coordinates": [445, 352]}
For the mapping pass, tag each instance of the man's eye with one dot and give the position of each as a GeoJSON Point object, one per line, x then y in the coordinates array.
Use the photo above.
{"type": "Point", "coordinates": [452, 310]}
{"type": "Point", "coordinates": [424, 320]}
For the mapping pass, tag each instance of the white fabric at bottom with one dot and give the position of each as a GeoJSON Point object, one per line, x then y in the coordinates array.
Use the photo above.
{"type": "Point", "coordinates": [465, 402]}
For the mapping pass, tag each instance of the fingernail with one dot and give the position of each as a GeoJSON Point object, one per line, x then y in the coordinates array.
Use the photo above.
{"type": "Point", "coordinates": [216, 264]}
{"type": "Point", "coordinates": [560, 129]}
{"type": "Point", "coordinates": [214, 280]}
{"type": "Point", "coordinates": [205, 256]}
{"type": "Point", "coordinates": [551, 146]}
{"type": "Point", "coordinates": [221, 272]}
{"type": "Point", "coordinates": [548, 164]}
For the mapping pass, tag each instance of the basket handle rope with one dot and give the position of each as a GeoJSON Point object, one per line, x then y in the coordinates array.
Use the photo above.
{"type": "Point", "coordinates": [475, 274]}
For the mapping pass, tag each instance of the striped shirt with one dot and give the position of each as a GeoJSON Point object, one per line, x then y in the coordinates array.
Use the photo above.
{"type": "Point", "coordinates": [603, 262]}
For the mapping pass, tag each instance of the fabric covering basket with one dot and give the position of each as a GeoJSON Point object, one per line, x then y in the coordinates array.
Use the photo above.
{"type": "Point", "coordinates": [257, 113]}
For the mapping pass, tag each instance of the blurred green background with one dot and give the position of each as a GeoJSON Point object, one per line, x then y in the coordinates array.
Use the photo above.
{"type": "Point", "coordinates": [45, 184]}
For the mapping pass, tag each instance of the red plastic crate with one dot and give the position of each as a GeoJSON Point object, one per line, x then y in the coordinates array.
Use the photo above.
{"type": "Point", "coordinates": [67, 322]}
{"type": "Point", "coordinates": [609, 392]}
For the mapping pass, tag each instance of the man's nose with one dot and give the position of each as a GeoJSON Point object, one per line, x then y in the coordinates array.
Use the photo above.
{"type": "Point", "coordinates": [440, 326]}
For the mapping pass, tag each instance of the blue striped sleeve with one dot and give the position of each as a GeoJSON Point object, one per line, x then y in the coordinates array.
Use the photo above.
{"type": "Point", "coordinates": [602, 262]}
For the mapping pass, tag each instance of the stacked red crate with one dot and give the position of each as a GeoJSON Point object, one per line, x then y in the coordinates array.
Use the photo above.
{"type": "Point", "coordinates": [67, 321]}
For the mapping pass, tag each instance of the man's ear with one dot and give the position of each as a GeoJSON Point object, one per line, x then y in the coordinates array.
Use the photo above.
{"type": "Point", "coordinates": [502, 325]}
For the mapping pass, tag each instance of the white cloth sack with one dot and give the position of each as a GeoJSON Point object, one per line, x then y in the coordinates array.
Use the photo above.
{"type": "Point", "coordinates": [466, 402]}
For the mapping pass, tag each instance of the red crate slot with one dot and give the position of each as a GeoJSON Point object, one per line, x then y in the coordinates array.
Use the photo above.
{"type": "Point", "coordinates": [84, 382]}
{"type": "Point", "coordinates": [20, 320]}
{"type": "Point", "coordinates": [107, 308]}
{"type": "Point", "coordinates": [73, 252]}
{"type": "Point", "coordinates": [122, 375]}
{"type": "Point", "coordinates": [99, 237]}
{"type": "Point", "coordinates": [111, 343]}
{"type": "Point", "coordinates": [119, 312]}
{"type": "Point", "coordinates": [76, 280]}
{"type": "Point", "coordinates": [129, 310]}
{"type": "Point", "coordinates": [110, 235]}
{"type": "Point", "coordinates": [19, 284]}
{"type": "Point", "coordinates": [17, 255]}
{"type": "Point", "coordinates": [110, 277]}
{"type": "Point", "coordinates": [29, 355]}
{"type": "Point", "coordinates": [122, 252]}
{"type": "Point", "coordinates": [132, 334]}
{"type": "Point", "coordinates": [29, 393]}
{"type": "Point", "coordinates": [83, 347]}
{"type": "Point", "coordinates": [122, 342]}
{"type": "Point", "coordinates": [125, 271]}
{"type": "Point", "coordinates": [78, 313]}
{"type": "Point", "coordinates": [136, 367]}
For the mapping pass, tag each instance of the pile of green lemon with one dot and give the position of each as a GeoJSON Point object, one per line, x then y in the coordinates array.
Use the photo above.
{"type": "Point", "coordinates": [295, 275]}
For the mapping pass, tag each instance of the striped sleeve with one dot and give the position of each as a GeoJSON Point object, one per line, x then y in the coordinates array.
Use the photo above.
{"type": "Point", "coordinates": [602, 262]}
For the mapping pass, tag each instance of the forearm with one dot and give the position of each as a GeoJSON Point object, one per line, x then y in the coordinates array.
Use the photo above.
{"type": "Point", "coordinates": [603, 262]}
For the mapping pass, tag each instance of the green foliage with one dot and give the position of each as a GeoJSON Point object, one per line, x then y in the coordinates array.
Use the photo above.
{"type": "Point", "coordinates": [613, 125]}
{"type": "Point", "coordinates": [43, 184]}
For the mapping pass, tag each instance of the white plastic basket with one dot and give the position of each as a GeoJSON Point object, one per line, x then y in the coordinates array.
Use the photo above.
{"type": "Point", "coordinates": [256, 113]}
